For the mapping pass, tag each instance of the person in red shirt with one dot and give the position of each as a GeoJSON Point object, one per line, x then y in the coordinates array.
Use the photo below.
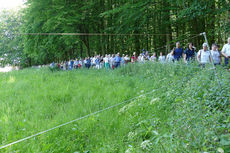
{"type": "Point", "coordinates": [134, 58]}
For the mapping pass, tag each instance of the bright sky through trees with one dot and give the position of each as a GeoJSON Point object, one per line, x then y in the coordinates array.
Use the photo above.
{"type": "Point", "coordinates": [10, 4]}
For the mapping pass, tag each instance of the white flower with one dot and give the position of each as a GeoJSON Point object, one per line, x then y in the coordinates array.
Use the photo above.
{"type": "Point", "coordinates": [220, 150]}
{"type": "Point", "coordinates": [146, 145]}
{"type": "Point", "coordinates": [131, 135]}
{"type": "Point", "coordinates": [142, 91]}
{"type": "Point", "coordinates": [126, 107]}
{"type": "Point", "coordinates": [155, 132]}
{"type": "Point", "coordinates": [130, 150]}
{"type": "Point", "coordinates": [141, 97]}
{"type": "Point", "coordinates": [154, 100]}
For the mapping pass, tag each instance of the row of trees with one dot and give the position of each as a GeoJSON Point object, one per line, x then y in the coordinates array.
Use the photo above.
{"type": "Point", "coordinates": [11, 46]}
{"type": "Point", "coordinates": [133, 20]}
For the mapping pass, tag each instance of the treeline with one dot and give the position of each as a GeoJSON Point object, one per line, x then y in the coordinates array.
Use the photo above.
{"type": "Point", "coordinates": [11, 45]}
{"type": "Point", "coordinates": [136, 20]}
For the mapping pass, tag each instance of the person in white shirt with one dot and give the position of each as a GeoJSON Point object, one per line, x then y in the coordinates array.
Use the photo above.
{"type": "Point", "coordinates": [203, 56]}
{"type": "Point", "coordinates": [76, 62]}
{"type": "Point", "coordinates": [161, 58]}
{"type": "Point", "coordinates": [170, 57]}
{"type": "Point", "coordinates": [142, 59]}
{"type": "Point", "coordinates": [106, 61]}
{"type": "Point", "coordinates": [127, 59]}
{"type": "Point", "coordinates": [94, 61]}
{"type": "Point", "coordinates": [153, 57]}
{"type": "Point", "coordinates": [226, 52]}
{"type": "Point", "coordinates": [139, 58]}
{"type": "Point", "coordinates": [216, 56]}
{"type": "Point", "coordinates": [112, 61]}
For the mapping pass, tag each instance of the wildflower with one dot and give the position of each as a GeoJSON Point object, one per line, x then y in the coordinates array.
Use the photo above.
{"type": "Point", "coordinates": [130, 149]}
{"type": "Point", "coordinates": [155, 132]}
{"type": "Point", "coordinates": [141, 97]}
{"type": "Point", "coordinates": [142, 91]}
{"type": "Point", "coordinates": [154, 100]}
{"type": "Point", "coordinates": [220, 150]}
{"type": "Point", "coordinates": [126, 107]}
{"type": "Point", "coordinates": [131, 136]}
{"type": "Point", "coordinates": [146, 145]}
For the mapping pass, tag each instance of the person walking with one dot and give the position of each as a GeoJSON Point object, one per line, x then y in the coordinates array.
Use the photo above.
{"type": "Point", "coordinates": [134, 58]}
{"type": "Point", "coordinates": [161, 58]}
{"type": "Point", "coordinates": [178, 52]}
{"type": "Point", "coordinates": [117, 60]}
{"type": "Point", "coordinates": [189, 54]}
{"type": "Point", "coordinates": [106, 61]}
{"type": "Point", "coordinates": [170, 57]}
{"type": "Point", "coordinates": [226, 52]}
{"type": "Point", "coordinates": [153, 58]}
{"type": "Point", "coordinates": [203, 56]}
{"type": "Point", "coordinates": [216, 55]}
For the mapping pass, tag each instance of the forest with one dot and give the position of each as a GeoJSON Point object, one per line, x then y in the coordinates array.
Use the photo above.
{"type": "Point", "coordinates": [107, 27]}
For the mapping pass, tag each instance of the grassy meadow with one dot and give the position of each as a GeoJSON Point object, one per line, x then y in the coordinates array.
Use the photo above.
{"type": "Point", "coordinates": [186, 111]}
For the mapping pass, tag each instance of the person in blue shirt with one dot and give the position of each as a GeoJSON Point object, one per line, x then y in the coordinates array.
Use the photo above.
{"type": "Point", "coordinates": [97, 61]}
{"type": "Point", "coordinates": [117, 60]}
{"type": "Point", "coordinates": [88, 63]}
{"type": "Point", "coordinates": [143, 52]}
{"type": "Point", "coordinates": [67, 65]}
{"type": "Point", "coordinates": [123, 59]}
{"type": "Point", "coordinates": [178, 52]}
{"type": "Point", "coordinates": [189, 53]}
{"type": "Point", "coordinates": [71, 64]}
{"type": "Point", "coordinates": [52, 65]}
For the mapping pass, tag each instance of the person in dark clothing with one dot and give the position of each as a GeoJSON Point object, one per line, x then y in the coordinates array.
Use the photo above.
{"type": "Point", "coordinates": [178, 52]}
{"type": "Point", "coordinates": [189, 53]}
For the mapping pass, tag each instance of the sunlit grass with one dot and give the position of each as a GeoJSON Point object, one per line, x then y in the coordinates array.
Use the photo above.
{"type": "Point", "coordinates": [34, 100]}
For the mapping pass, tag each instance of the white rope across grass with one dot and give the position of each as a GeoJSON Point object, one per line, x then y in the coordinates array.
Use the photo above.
{"type": "Point", "coordinates": [61, 125]}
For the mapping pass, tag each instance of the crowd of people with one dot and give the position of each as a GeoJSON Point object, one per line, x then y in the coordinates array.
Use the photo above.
{"type": "Point", "coordinates": [112, 61]}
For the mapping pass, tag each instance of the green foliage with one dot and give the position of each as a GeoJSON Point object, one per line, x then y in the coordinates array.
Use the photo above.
{"type": "Point", "coordinates": [186, 112]}
{"type": "Point", "coordinates": [11, 44]}
{"type": "Point", "coordinates": [179, 19]}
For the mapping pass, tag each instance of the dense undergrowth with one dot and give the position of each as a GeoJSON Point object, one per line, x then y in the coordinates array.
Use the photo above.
{"type": "Point", "coordinates": [186, 111]}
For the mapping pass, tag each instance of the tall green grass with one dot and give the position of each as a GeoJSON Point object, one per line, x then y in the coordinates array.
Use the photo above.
{"type": "Point", "coordinates": [187, 112]}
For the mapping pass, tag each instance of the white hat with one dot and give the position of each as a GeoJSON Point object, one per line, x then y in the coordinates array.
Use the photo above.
{"type": "Point", "coordinates": [205, 44]}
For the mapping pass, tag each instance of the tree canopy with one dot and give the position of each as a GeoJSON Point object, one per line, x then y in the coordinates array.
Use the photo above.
{"type": "Point", "coordinates": [11, 46]}
{"type": "Point", "coordinates": [138, 19]}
